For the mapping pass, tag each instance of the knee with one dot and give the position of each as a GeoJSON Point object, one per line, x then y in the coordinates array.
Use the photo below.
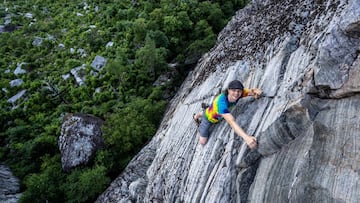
{"type": "Point", "coordinates": [203, 140]}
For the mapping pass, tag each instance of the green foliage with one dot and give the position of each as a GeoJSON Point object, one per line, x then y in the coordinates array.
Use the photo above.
{"type": "Point", "coordinates": [151, 61]}
{"type": "Point", "coordinates": [43, 145]}
{"type": "Point", "coordinates": [199, 46]}
{"type": "Point", "coordinates": [126, 130]}
{"type": "Point", "coordinates": [146, 36]}
{"type": "Point", "coordinates": [159, 38]}
{"type": "Point", "coordinates": [72, 63]}
{"type": "Point", "coordinates": [139, 28]}
{"type": "Point", "coordinates": [85, 185]}
{"type": "Point", "coordinates": [45, 186]}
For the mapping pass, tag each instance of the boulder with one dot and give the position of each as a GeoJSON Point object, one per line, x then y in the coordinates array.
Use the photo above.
{"type": "Point", "coordinates": [98, 63]}
{"type": "Point", "coordinates": [9, 186]}
{"type": "Point", "coordinates": [79, 140]}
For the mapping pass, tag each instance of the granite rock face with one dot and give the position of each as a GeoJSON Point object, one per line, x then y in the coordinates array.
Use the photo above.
{"type": "Point", "coordinates": [79, 140]}
{"type": "Point", "coordinates": [304, 55]}
{"type": "Point", "coordinates": [9, 186]}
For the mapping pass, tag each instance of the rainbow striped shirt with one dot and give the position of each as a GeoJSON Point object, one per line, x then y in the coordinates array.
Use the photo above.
{"type": "Point", "coordinates": [220, 106]}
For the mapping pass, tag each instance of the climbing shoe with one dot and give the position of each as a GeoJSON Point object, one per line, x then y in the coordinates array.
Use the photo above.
{"type": "Point", "coordinates": [197, 121]}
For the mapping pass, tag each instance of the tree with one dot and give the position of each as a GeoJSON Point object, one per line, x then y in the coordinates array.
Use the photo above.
{"type": "Point", "coordinates": [150, 60]}
{"type": "Point", "coordinates": [47, 185]}
{"type": "Point", "coordinates": [80, 187]}
{"type": "Point", "coordinates": [131, 126]}
{"type": "Point", "coordinates": [139, 29]}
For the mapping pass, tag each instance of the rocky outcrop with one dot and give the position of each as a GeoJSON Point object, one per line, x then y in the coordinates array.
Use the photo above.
{"type": "Point", "coordinates": [304, 55]}
{"type": "Point", "coordinates": [79, 140]}
{"type": "Point", "coordinates": [98, 63]}
{"type": "Point", "coordinates": [9, 186]}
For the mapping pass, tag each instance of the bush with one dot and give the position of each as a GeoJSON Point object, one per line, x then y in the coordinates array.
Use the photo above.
{"type": "Point", "coordinates": [126, 130]}
{"type": "Point", "coordinates": [85, 185]}
{"type": "Point", "coordinates": [45, 186]}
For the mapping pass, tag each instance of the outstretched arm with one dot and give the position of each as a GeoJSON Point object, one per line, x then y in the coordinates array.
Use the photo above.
{"type": "Point", "coordinates": [250, 140]}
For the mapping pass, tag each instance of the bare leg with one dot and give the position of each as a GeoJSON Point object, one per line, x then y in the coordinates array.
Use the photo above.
{"type": "Point", "coordinates": [203, 140]}
{"type": "Point", "coordinates": [198, 115]}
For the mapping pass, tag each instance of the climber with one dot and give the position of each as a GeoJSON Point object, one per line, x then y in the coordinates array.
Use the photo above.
{"type": "Point", "coordinates": [219, 109]}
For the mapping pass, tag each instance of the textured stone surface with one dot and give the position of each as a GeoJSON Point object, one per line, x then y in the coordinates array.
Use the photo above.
{"type": "Point", "coordinates": [80, 138]}
{"type": "Point", "coordinates": [9, 186]}
{"type": "Point", "coordinates": [305, 57]}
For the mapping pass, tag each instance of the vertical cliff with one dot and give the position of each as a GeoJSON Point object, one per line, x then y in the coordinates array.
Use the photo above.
{"type": "Point", "coordinates": [304, 55]}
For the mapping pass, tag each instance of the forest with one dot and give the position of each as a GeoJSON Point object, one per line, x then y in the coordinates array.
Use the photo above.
{"type": "Point", "coordinates": [141, 41]}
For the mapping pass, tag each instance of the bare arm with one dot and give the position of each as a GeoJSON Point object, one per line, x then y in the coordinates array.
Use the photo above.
{"type": "Point", "coordinates": [250, 140]}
